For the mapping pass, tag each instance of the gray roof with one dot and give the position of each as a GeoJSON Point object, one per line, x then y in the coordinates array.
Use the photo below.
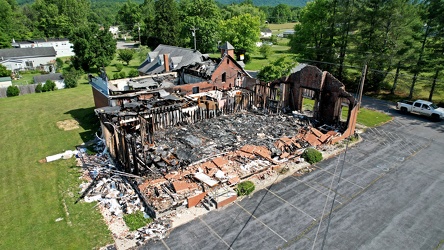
{"type": "Point", "coordinates": [44, 78]}
{"type": "Point", "coordinates": [189, 56]}
{"type": "Point", "coordinates": [226, 46]}
{"type": "Point", "coordinates": [5, 79]}
{"type": "Point", "coordinates": [266, 30]}
{"type": "Point", "coordinates": [27, 52]}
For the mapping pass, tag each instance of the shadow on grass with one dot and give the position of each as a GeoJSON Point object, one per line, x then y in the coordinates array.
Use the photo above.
{"type": "Point", "coordinates": [87, 120]}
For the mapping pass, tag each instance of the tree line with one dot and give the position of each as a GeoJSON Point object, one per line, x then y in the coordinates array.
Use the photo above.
{"type": "Point", "coordinates": [388, 36]}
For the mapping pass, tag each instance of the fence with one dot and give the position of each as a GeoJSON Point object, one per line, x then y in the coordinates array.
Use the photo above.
{"type": "Point", "coordinates": [24, 89]}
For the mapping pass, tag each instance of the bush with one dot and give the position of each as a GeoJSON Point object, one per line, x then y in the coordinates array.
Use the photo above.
{"type": "Point", "coordinates": [311, 155]}
{"type": "Point", "coordinates": [49, 86]}
{"type": "Point", "coordinates": [116, 76]}
{"type": "Point", "coordinates": [119, 67]}
{"type": "Point", "coordinates": [59, 64]}
{"type": "Point", "coordinates": [122, 74]}
{"type": "Point", "coordinates": [12, 91]}
{"type": "Point", "coordinates": [245, 188]}
{"type": "Point", "coordinates": [133, 73]}
{"type": "Point", "coordinates": [38, 88]}
{"type": "Point", "coordinates": [70, 83]}
{"type": "Point", "coordinates": [136, 220]}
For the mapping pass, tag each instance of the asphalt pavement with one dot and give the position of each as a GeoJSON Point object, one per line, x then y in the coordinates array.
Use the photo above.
{"type": "Point", "coordinates": [390, 196]}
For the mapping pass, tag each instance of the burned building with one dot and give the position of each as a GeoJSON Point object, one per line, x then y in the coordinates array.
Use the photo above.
{"type": "Point", "coordinates": [191, 147]}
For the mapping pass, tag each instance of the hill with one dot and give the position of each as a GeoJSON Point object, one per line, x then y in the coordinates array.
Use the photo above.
{"type": "Point", "coordinates": [295, 3]}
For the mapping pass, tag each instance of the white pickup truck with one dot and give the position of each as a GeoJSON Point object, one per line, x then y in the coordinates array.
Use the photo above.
{"type": "Point", "coordinates": [421, 107]}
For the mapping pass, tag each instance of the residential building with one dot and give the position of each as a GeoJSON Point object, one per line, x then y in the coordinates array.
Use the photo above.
{"type": "Point", "coordinates": [16, 59]}
{"type": "Point", "coordinates": [61, 45]}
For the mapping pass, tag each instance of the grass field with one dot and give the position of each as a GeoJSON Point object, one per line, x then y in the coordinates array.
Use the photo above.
{"type": "Point", "coordinates": [366, 117]}
{"type": "Point", "coordinates": [34, 195]}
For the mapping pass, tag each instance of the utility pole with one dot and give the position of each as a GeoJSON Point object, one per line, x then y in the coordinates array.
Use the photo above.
{"type": "Point", "coordinates": [138, 25]}
{"type": "Point", "coordinates": [361, 87]}
{"type": "Point", "coordinates": [194, 36]}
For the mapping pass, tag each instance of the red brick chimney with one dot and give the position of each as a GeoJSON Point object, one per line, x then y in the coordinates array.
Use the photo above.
{"type": "Point", "coordinates": [166, 62]}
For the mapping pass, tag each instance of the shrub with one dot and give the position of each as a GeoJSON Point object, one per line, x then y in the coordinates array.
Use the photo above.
{"type": "Point", "coordinates": [70, 83]}
{"type": "Point", "coordinates": [245, 188]}
{"type": "Point", "coordinates": [122, 74]}
{"type": "Point", "coordinates": [136, 220]}
{"type": "Point", "coordinates": [59, 64]}
{"type": "Point", "coordinates": [38, 88]}
{"type": "Point", "coordinates": [116, 76]}
{"type": "Point", "coordinates": [311, 155]}
{"type": "Point", "coordinates": [12, 91]}
{"type": "Point", "coordinates": [49, 86]}
{"type": "Point", "coordinates": [119, 67]}
{"type": "Point", "coordinates": [133, 73]}
{"type": "Point", "coordinates": [72, 77]}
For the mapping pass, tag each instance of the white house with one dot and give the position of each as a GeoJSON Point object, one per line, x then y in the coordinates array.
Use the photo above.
{"type": "Point", "coordinates": [56, 77]}
{"type": "Point", "coordinates": [28, 58]}
{"type": "Point", "coordinates": [61, 45]}
{"type": "Point", "coordinates": [266, 33]}
{"type": "Point", "coordinates": [114, 30]}
{"type": "Point", "coordinates": [5, 82]}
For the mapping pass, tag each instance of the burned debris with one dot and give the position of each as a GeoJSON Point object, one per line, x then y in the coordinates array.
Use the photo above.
{"type": "Point", "coordinates": [169, 150]}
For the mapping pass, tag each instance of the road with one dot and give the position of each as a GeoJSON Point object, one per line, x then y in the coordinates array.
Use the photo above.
{"type": "Point", "coordinates": [390, 196]}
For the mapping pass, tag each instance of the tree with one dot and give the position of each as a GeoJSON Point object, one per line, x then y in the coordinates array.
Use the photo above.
{"type": "Point", "coordinates": [4, 71]}
{"type": "Point", "coordinates": [167, 25]}
{"type": "Point", "coordinates": [241, 31]}
{"type": "Point", "coordinates": [146, 28]}
{"type": "Point", "coordinates": [125, 55]}
{"type": "Point", "coordinates": [311, 33]}
{"type": "Point", "coordinates": [278, 68]}
{"type": "Point", "coordinates": [265, 50]}
{"type": "Point", "coordinates": [57, 18]}
{"type": "Point", "coordinates": [72, 77]}
{"type": "Point", "coordinates": [234, 10]}
{"type": "Point", "coordinates": [281, 14]}
{"type": "Point", "coordinates": [203, 15]}
{"type": "Point", "coordinates": [93, 47]}
{"type": "Point", "coordinates": [130, 16]}
{"type": "Point", "coordinates": [12, 91]}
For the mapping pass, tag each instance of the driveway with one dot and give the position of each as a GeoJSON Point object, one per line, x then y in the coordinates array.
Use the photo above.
{"type": "Point", "coordinates": [390, 196]}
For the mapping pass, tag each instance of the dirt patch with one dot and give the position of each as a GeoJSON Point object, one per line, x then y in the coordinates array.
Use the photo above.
{"type": "Point", "coordinates": [66, 125]}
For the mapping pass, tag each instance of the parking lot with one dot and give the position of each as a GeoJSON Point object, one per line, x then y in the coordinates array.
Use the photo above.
{"type": "Point", "coordinates": [390, 196]}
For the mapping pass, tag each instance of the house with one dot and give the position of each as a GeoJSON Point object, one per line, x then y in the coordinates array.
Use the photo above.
{"type": "Point", "coordinates": [57, 78]}
{"type": "Point", "coordinates": [61, 45]}
{"type": "Point", "coordinates": [175, 57]}
{"type": "Point", "coordinates": [266, 33]}
{"type": "Point", "coordinates": [5, 82]}
{"type": "Point", "coordinates": [114, 30]}
{"type": "Point", "coordinates": [28, 58]}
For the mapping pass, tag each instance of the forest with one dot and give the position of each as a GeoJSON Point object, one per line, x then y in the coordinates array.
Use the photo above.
{"type": "Point", "coordinates": [400, 42]}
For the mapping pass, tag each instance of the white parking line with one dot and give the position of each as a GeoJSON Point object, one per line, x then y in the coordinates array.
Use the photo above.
{"type": "Point", "coordinates": [216, 234]}
{"type": "Point", "coordinates": [252, 215]}
{"type": "Point", "coordinates": [338, 176]}
{"type": "Point", "coordinates": [305, 183]}
{"type": "Point", "coordinates": [293, 206]}
{"type": "Point", "coordinates": [165, 244]}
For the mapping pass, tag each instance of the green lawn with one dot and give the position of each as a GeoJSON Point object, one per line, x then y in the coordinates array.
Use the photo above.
{"type": "Point", "coordinates": [366, 117]}
{"type": "Point", "coordinates": [279, 28]}
{"type": "Point", "coordinates": [34, 195]}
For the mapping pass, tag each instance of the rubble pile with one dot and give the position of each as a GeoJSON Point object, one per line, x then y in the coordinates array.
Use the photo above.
{"type": "Point", "coordinates": [153, 231]}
